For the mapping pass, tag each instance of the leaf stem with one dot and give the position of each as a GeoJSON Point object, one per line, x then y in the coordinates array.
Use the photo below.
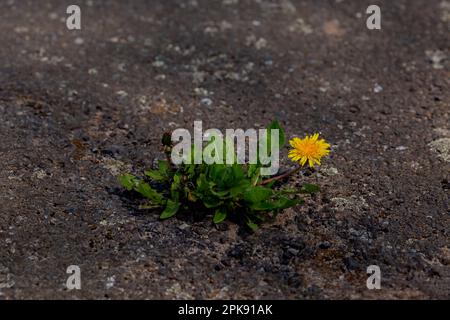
{"type": "Point", "coordinates": [280, 177]}
{"type": "Point", "coordinates": [167, 152]}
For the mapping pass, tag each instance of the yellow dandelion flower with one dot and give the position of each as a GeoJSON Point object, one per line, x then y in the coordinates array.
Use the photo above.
{"type": "Point", "coordinates": [310, 149]}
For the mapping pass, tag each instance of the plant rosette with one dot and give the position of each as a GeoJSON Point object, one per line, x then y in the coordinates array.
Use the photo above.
{"type": "Point", "coordinates": [236, 192]}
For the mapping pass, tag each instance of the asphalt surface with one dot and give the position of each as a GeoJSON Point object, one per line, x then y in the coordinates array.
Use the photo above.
{"type": "Point", "coordinates": [79, 107]}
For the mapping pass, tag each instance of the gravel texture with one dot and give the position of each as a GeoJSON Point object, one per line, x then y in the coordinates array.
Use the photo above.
{"type": "Point", "coordinates": [79, 107]}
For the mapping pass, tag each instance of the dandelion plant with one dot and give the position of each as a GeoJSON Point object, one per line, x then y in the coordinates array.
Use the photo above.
{"type": "Point", "coordinates": [236, 192]}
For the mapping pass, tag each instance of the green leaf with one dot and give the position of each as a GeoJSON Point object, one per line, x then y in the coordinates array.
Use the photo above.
{"type": "Point", "coordinates": [217, 173]}
{"type": "Point", "coordinates": [279, 204]}
{"type": "Point", "coordinates": [238, 172]}
{"type": "Point", "coordinates": [148, 192]}
{"type": "Point", "coordinates": [190, 170]}
{"type": "Point", "coordinates": [127, 181]}
{"type": "Point", "coordinates": [161, 174]}
{"type": "Point", "coordinates": [310, 188]}
{"type": "Point", "coordinates": [203, 185]}
{"type": "Point", "coordinates": [252, 225]}
{"type": "Point", "coordinates": [155, 175]}
{"type": "Point", "coordinates": [284, 203]}
{"type": "Point", "coordinates": [252, 170]}
{"type": "Point", "coordinates": [257, 194]}
{"type": "Point", "coordinates": [163, 166]}
{"type": "Point", "coordinates": [281, 136]}
{"type": "Point", "coordinates": [211, 201]}
{"type": "Point", "coordinates": [219, 216]}
{"type": "Point", "coordinates": [266, 142]}
{"type": "Point", "coordinates": [170, 210]}
{"type": "Point", "coordinates": [240, 188]}
{"type": "Point", "coordinates": [175, 186]}
{"type": "Point", "coordinates": [254, 173]}
{"type": "Point", "coordinates": [221, 194]}
{"type": "Point", "coordinates": [228, 179]}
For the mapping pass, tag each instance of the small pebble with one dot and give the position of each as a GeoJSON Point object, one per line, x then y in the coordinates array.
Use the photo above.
{"type": "Point", "coordinates": [184, 226]}
{"type": "Point", "coordinates": [79, 41]}
{"type": "Point", "coordinates": [325, 245]}
{"type": "Point", "coordinates": [377, 88]}
{"type": "Point", "coordinates": [207, 102]}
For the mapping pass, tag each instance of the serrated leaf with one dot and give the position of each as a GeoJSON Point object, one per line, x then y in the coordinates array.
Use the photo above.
{"type": "Point", "coordinates": [240, 189]}
{"type": "Point", "coordinates": [171, 209]}
{"type": "Point", "coordinates": [161, 174]}
{"type": "Point", "coordinates": [163, 165]}
{"type": "Point", "coordinates": [252, 170]}
{"type": "Point", "coordinates": [217, 173]}
{"type": "Point", "coordinates": [155, 175]}
{"type": "Point", "coordinates": [219, 216]}
{"type": "Point", "coordinates": [254, 173]}
{"type": "Point", "coordinates": [221, 194]}
{"type": "Point", "coordinates": [211, 201]}
{"type": "Point", "coordinates": [238, 173]}
{"type": "Point", "coordinates": [203, 185]}
{"type": "Point", "coordinates": [279, 204]}
{"type": "Point", "coordinates": [175, 186]}
{"type": "Point", "coordinates": [284, 203]}
{"type": "Point", "coordinates": [281, 136]}
{"type": "Point", "coordinates": [266, 143]}
{"type": "Point", "coordinates": [257, 194]}
{"type": "Point", "coordinates": [190, 170]}
{"type": "Point", "coordinates": [148, 192]}
{"type": "Point", "coordinates": [127, 181]}
{"type": "Point", "coordinates": [252, 225]}
{"type": "Point", "coordinates": [261, 206]}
